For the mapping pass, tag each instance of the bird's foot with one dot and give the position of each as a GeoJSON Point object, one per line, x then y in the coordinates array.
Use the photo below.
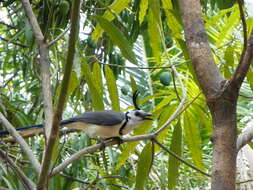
{"type": "Point", "coordinates": [118, 139]}
{"type": "Point", "coordinates": [100, 141]}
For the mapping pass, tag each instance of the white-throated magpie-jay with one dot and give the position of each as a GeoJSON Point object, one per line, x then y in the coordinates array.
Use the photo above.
{"type": "Point", "coordinates": [105, 124]}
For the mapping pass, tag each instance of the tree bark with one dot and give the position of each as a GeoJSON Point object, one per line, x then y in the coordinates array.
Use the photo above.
{"type": "Point", "coordinates": [223, 112]}
{"type": "Point", "coordinates": [221, 96]}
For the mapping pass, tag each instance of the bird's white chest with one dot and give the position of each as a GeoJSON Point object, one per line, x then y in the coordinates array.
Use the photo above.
{"type": "Point", "coordinates": [96, 130]}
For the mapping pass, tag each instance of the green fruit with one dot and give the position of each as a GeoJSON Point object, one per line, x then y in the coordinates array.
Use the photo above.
{"type": "Point", "coordinates": [64, 7]}
{"type": "Point", "coordinates": [165, 78]}
{"type": "Point", "coordinates": [124, 90]}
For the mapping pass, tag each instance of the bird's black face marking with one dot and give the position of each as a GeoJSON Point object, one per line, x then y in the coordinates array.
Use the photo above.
{"type": "Point", "coordinates": [137, 113]}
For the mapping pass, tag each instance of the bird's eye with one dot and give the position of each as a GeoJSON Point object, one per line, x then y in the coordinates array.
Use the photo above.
{"type": "Point", "coordinates": [137, 113]}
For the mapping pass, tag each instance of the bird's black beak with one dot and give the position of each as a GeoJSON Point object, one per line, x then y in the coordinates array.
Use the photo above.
{"type": "Point", "coordinates": [146, 116]}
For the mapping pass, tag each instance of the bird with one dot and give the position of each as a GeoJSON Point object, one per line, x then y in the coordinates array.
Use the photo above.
{"type": "Point", "coordinates": [104, 124]}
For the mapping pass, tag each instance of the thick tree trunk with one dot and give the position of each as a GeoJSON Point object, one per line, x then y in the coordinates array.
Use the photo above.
{"type": "Point", "coordinates": [224, 155]}
{"type": "Point", "coordinates": [221, 96]}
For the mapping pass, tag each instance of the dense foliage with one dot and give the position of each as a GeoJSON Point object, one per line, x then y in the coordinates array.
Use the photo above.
{"type": "Point", "coordinates": [123, 45]}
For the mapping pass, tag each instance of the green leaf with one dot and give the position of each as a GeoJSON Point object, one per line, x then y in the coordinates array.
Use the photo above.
{"type": "Point", "coordinates": [128, 149]}
{"type": "Point", "coordinates": [172, 21]}
{"type": "Point", "coordinates": [193, 139]}
{"type": "Point", "coordinates": [116, 7]}
{"type": "Point", "coordinates": [154, 30]}
{"type": "Point", "coordinates": [226, 31]}
{"type": "Point", "coordinates": [97, 76]}
{"type": "Point", "coordinates": [117, 38]}
{"type": "Point", "coordinates": [144, 166]}
{"type": "Point", "coordinates": [213, 20]}
{"type": "Point", "coordinates": [229, 61]}
{"type": "Point", "coordinates": [166, 101]}
{"type": "Point", "coordinates": [143, 10]}
{"type": "Point", "coordinates": [28, 32]}
{"type": "Point", "coordinates": [165, 114]}
{"type": "Point", "coordinates": [112, 88]}
{"type": "Point", "coordinates": [97, 99]}
{"type": "Point", "coordinates": [8, 183]}
{"type": "Point", "coordinates": [73, 83]}
{"type": "Point", "coordinates": [176, 147]}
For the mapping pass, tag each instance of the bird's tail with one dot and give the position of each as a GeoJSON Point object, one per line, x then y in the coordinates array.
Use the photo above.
{"type": "Point", "coordinates": [28, 131]}
{"type": "Point", "coordinates": [38, 127]}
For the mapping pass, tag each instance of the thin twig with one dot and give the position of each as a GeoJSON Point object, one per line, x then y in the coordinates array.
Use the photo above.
{"type": "Point", "coordinates": [244, 64]}
{"type": "Point", "coordinates": [13, 42]}
{"type": "Point", "coordinates": [8, 25]}
{"type": "Point", "coordinates": [58, 37]}
{"type": "Point", "coordinates": [246, 181]}
{"type": "Point", "coordinates": [28, 184]}
{"type": "Point", "coordinates": [93, 182]}
{"type": "Point", "coordinates": [175, 87]}
{"type": "Point", "coordinates": [136, 67]}
{"type": "Point", "coordinates": [75, 179]}
{"type": "Point", "coordinates": [179, 158]}
{"type": "Point", "coordinates": [24, 146]}
{"type": "Point", "coordinates": [244, 96]}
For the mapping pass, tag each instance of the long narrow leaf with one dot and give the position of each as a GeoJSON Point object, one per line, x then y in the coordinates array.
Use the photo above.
{"type": "Point", "coordinates": [176, 147]}
{"type": "Point", "coordinates": [112, 88]}
{"type": "Point", "coordinates": [143, 10]}
{"type": "Point", "coordinates": [97, 99]}
{"type": "Point", "coordinates": [193, 138]}
{"type": "Point", "coordinates": [154, 31]}
{"type": "Point", "coordinates": [144, 165]}
{"type": "Point", "coordinates": [116, 7]}
{"type": "Point", "coordinates": [117, 38]}
{"type": "Point", "coordinates": [97, 76]}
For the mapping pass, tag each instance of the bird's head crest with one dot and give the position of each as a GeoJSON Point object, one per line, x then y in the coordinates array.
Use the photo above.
{"type": "Point", "coordinates": [135, 96]}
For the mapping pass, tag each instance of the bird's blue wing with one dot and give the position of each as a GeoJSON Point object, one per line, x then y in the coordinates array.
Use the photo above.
{"type": "Point", "coordinates": [106, 118]}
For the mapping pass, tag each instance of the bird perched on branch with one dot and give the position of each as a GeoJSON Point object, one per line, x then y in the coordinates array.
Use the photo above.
{"type": "Point", "coordinates": [105, 124]}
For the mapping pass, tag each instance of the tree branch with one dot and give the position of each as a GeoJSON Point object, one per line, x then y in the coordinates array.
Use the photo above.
{"type": "Point", "coordinates": [179, 158]}
{"type": "Point", "coordinates": [244, 25]}
{"type": "Point", "coordinates": [97, 147]}
{"type": "Point", "coordinates": [63, 95]}
{"type": "Point", "coordinates": [200, 53]}
{"type": "Point", "coordinates": [58, 37]}
{"type": "Point", "coordinates": [13, 42]}
{"type": "Point", "coordinates": [8, 25]}
{"type": "Point", "coordinates": [245, 137]}
{"type": "Point", "coordinates": [44, 65]}
{"type": "Point", "coordinates": [35, 163]}
{"type": "Point", "coordinates": [28, 184]}
{"type": "Point", "coordinates": [243, 66]}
